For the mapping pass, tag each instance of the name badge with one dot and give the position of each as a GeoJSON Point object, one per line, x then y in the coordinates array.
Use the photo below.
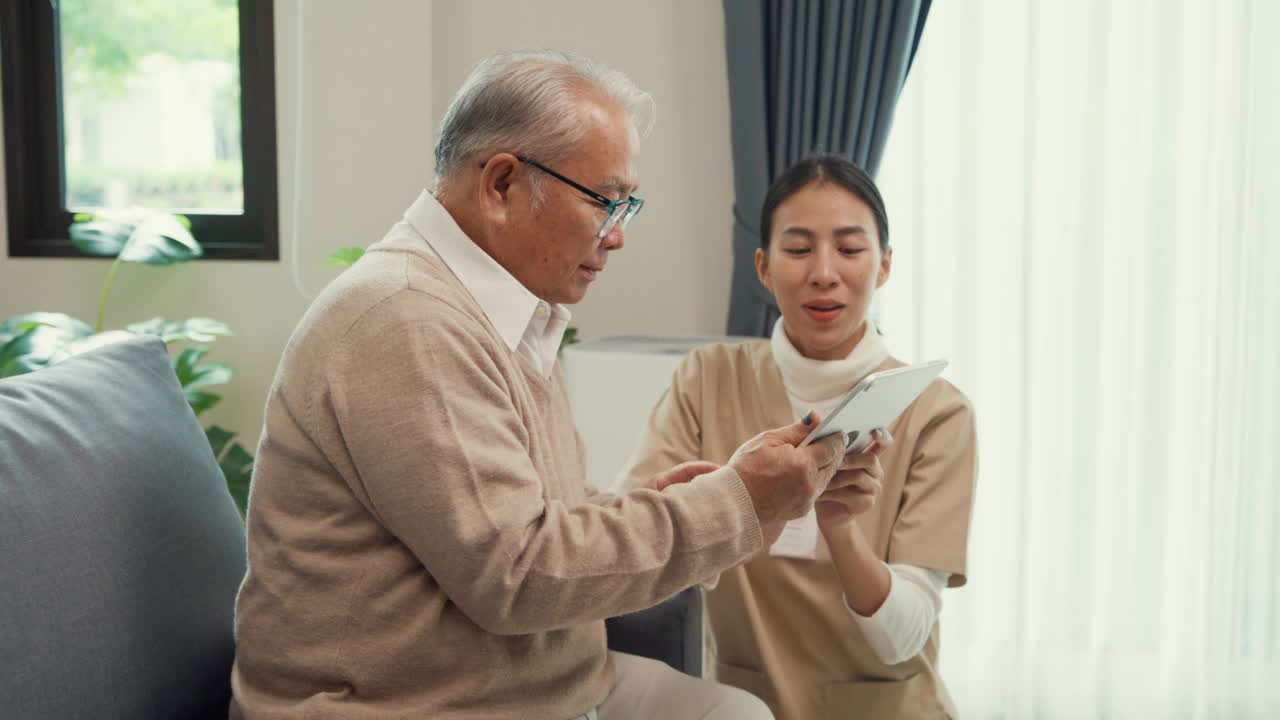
{"type": "Point", "coordinates": [799, 539]}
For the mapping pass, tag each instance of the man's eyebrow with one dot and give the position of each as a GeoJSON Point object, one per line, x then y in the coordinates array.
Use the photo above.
{"type": "Point", "coordinates": [619, 187]}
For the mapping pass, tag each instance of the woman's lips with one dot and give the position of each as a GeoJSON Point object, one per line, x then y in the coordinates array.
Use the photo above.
{"type": "Point", "coordinates": [823, 311]}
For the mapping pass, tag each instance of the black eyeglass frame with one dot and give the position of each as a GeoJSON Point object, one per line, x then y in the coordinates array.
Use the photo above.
{"type": "Point", "coordinates": [632, 203]}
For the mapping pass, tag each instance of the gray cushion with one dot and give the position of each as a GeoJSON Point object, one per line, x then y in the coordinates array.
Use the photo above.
{"type": "Point", "coordinates": [120, 548]}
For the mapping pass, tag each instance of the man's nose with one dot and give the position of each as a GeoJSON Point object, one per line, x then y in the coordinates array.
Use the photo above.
{"type": "Point", "coordinates": [614, 239]}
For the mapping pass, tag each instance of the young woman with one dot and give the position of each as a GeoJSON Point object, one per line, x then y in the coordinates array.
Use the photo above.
{"type": "Point", "coordinates": [839, 619]}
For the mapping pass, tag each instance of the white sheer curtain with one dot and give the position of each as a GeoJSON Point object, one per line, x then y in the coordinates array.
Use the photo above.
{"type": "Point", "coordinates": [1084, 198]}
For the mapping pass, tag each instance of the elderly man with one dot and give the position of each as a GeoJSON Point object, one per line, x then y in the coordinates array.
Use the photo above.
{"type": "Point", "coordinates": [421, 540]}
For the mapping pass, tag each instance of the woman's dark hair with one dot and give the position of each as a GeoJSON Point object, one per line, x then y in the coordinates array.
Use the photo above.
{"type": "Point", "coordinates": [818, 169]}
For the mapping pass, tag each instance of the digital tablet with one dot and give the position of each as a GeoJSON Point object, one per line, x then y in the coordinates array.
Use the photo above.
{"type": "Point", "coordinates": [874, 403]}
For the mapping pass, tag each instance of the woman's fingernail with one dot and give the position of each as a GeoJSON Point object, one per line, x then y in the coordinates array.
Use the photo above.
{"type": "Point", "coordinates": [808, 418]}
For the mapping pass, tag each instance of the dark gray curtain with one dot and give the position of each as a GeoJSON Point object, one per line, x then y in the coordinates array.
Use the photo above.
{"type": "Point", "coordinates": [806, 76]}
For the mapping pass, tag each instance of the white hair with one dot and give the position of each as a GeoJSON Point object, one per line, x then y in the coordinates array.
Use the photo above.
{"type": "Point", "coordinates": [526, 103]}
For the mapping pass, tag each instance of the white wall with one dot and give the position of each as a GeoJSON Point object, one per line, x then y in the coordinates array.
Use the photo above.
{"type": "Point", "coordinates": [376, 78]}
{"type": "Point", "coordinates": [366, 142]}
{"type": "Point", "coordinates": [672, 278]}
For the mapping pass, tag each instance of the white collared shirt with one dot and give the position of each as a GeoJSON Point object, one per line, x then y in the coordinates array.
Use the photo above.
{"type": "Point", "coordinates": [531, 327]}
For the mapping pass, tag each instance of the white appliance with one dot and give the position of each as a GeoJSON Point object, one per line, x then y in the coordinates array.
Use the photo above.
{"type": "Point", "coordinates": [614, 383]}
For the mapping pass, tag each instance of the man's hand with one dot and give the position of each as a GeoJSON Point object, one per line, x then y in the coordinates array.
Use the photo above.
{"type": "Point", "coordinates": [782, 479]}
{"type": "Point", "coordinates": [682, 473]}
{"type": "Point", "coordinates": [854, 488]}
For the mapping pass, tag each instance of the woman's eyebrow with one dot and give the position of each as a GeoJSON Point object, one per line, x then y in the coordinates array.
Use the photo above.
{"type": "Point", "coordinates": [842, 231]}
{"type": "Point", "coordinates": [803, 232]}
{"type": "Point", "coordinates": [850, 230]}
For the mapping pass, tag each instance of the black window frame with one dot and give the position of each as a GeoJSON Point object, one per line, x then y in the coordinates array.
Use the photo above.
{"type": "Point", "coordinates": [34, 182]}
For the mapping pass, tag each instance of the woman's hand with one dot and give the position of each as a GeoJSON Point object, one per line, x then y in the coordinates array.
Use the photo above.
{"type": "Point", "coordinates": [682, 473]}
{"type": "Point", "coordinates": [771, 532]}
{"type": "Point", "coordinates": [855, 487]}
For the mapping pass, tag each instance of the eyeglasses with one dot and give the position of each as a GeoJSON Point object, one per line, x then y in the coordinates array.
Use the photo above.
{"type": "Point", "coordinates": [618, 210]}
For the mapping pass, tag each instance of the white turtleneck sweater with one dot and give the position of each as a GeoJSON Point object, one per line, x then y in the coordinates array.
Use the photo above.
{"type": "Point", "coordinates": [900, 628]}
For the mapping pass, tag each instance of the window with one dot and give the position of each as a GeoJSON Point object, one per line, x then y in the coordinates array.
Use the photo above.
{"type": "Point", "coordinates": [162, 104]}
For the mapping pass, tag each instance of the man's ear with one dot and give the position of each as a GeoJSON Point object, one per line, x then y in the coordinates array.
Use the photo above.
{"type": "Point", "coordinates": [762, 269]}
{"type": "Point", "coordinates": [494, 188]}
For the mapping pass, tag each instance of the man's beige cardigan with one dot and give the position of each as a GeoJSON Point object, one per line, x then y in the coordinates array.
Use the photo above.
{"type": "Point", "coordinates": [421, 542]}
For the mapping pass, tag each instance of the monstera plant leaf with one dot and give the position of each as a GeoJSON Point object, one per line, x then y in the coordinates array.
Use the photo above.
{"type": "Point", "coordinates": [36, 340]}
{"type": "Point", "coordinates": [101, 236]}
{"type": "Point", "coordinates": [92, 342]}
{"type": "Point", "coordinates": [235, 463]}
{"type": "Point", "coordinates": [343, 257]}
{"type": "Point", "coordinates": [195, 377]}
{"type": "Point", "coordinates": [192, 330]}
{"type": "Point", "coordinates": [136, 236]}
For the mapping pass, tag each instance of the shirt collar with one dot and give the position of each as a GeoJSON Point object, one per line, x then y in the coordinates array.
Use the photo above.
{"type": "Point", "coordinates": [508, 304]}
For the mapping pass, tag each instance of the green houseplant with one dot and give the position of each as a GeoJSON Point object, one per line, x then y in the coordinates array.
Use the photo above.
{"type": "Point", "coordinates": [33, 341]}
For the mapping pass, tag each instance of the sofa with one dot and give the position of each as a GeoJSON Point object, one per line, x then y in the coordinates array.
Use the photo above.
{"type": "Point", "coordinates": [121, 551]}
